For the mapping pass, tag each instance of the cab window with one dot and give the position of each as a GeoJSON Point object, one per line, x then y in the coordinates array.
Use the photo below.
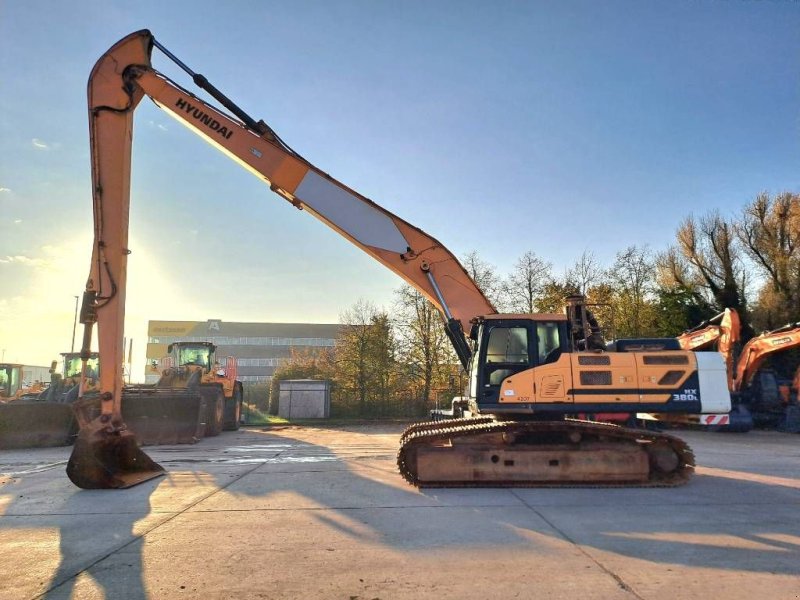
{"type": "Point", "coordinates": [15, 382]}
{"type": "Point", "coordinates": [506, 354]}
{"type": "Point", "coordinates": [508, 345]}
{"type": "Point", "coordinates": [549, 342]}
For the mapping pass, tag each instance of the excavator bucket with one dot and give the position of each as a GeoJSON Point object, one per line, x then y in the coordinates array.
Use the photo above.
{"type": "Point", "coordinates": [106, 455]}
{"type": "Point", "coordinates": [109, 460]}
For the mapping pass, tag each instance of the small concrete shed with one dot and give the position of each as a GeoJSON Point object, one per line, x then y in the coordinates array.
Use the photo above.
{"type": "Point", "coordinates": [304, 399]}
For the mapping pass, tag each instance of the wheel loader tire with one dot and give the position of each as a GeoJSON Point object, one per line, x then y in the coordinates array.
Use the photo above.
{"type": "Point", "coordinates": [233, 409]}
{"type": "Point", "coordinates": [215, 408]}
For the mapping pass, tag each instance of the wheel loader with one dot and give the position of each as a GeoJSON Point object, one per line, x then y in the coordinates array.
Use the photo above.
{"type": "Point", "coordinates": [527, 372]}
{"type": "Point", "coordinates": [28, 418]}
{"type": "Point", "coordinates": [155, 417]}
{"type": "Point", "coordinates": [193, 365]}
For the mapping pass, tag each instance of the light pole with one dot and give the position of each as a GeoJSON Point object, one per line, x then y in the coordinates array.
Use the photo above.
{"type": "Point", "coordinates": [74, 324]}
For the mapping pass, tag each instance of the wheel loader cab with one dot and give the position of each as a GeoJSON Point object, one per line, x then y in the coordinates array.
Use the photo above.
{"type": "Point", "coordinates": [72, 367]}
{"type": "Point", "coordinates": [508, 344]}
{"type": "Point", "coordinates": [10, 380]}
{"type": "Point", "coordinates": [200, 354]}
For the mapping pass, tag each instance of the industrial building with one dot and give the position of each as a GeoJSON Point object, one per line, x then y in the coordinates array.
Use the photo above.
{"type": "Point", "coordinates": [33, 373]}
{"type": "Point", "coordinates": [259, 348]}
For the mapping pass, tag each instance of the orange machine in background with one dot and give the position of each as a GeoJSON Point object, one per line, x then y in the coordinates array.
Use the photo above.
{"type": "Point", "coordinates": [721, 332]}
{"type": "Point", "coordinates": [758, 388]}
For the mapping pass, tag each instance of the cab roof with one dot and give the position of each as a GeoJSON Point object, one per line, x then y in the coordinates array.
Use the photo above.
{"type": "Point", "coordinates": [527, 316]}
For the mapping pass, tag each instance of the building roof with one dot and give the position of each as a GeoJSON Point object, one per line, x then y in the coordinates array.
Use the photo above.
{"type": "Point", "coordinates": [217, 327]}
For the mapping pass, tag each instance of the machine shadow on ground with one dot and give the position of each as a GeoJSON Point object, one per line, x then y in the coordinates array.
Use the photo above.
{"type": "Point", "coordinates": [718, 521]}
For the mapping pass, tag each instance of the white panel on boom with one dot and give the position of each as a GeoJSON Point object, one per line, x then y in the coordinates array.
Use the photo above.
{"type": "Point", "coordinates": [365, 223]}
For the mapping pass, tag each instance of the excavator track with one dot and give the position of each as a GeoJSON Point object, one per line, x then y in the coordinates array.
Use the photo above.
{"type": "Point", "coordinates": [483, 452]}
{"type": "Point", "coordinates": [434, 425]}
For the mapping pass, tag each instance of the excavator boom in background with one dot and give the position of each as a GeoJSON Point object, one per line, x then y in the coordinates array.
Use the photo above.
{"type": "Point", "coordinates": [722, 332]}
{"type": "Point", "coordinates": [526, 372]}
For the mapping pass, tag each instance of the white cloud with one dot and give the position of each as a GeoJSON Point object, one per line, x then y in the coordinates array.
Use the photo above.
{"type": "Point", "coordinates": [158, 126]}
{"type": "Point", "coordinates": [24, 260]}
{"type": "Point", "coordinates": [4, 189]}
{"type": "Point", "coordinates": [37, 143]}
{"type": "Point", "coordinates": [17, 221]}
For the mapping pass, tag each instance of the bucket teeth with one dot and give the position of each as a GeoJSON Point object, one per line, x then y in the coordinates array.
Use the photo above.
{"type": "Point", "coordinates": [103, 459]}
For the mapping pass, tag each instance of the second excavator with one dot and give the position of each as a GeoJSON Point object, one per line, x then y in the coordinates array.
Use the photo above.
{"type": "Point", "coordinates": [527, 372]}
{"type": "Point", "coordinates": [755, 391]}
{"type": "Point", "coordinates": [757, 388]}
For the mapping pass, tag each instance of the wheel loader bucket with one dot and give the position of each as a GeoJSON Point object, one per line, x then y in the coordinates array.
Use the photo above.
{"type": "Point", "coordinates": [104, 459]}
{"type": "Point", "coordinates": [33, 424]}
{"type": "Point", "coordinates": [164, 416]}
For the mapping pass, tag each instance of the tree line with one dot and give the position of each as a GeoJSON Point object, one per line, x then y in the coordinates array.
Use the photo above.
{"type": "Point", "coordinates": [398, 362]}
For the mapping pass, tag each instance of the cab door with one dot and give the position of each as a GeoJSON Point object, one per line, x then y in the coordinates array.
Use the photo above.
{"type": "Point", "coordinates": [506, 353]}
{"type": "Point", "coordinates": [553, 374]}
{"type": "Point", "coordinates": [546, 376]}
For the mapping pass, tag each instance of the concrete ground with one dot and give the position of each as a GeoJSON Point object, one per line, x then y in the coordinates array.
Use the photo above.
{"type": "Point", "coordinates": [302, 512]}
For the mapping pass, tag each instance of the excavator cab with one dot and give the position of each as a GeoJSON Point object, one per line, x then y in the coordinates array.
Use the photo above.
{"type": "Point", "coordinates": [510, 345]}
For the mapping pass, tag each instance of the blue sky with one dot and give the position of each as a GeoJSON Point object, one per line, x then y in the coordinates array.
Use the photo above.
{"type": "Point", "coordinates": [503, 127]}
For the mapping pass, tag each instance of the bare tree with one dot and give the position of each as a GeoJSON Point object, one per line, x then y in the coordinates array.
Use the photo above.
{"type": "Point", "coordinates": [365, 355]}
{"type": "Point", "coordinates": [585, 273]}
{"type": "Point", "coordinates": [632, 277]}
{"type": "Point", "coordinates": [708, 261]}
{"type": "Point", "coordinates": [484, 275]}
{"type": "Point", "coordinates": [526, 283]}
{"type": "Point", "coordinates": [770, 234]}
{"type": "Point", "coordinates": [424, 346]}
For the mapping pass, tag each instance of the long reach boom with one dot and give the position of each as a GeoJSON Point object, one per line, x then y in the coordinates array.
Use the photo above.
{"type": "Point", "coordinates": [118, 82]}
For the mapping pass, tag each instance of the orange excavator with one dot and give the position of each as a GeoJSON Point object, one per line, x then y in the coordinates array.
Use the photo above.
{"type": "Point", "coordinates": [756, 395]}
{"type": "Point", "coordinates": [526, 372]}
{"type": "Point", "coordinates": [757, 388]}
